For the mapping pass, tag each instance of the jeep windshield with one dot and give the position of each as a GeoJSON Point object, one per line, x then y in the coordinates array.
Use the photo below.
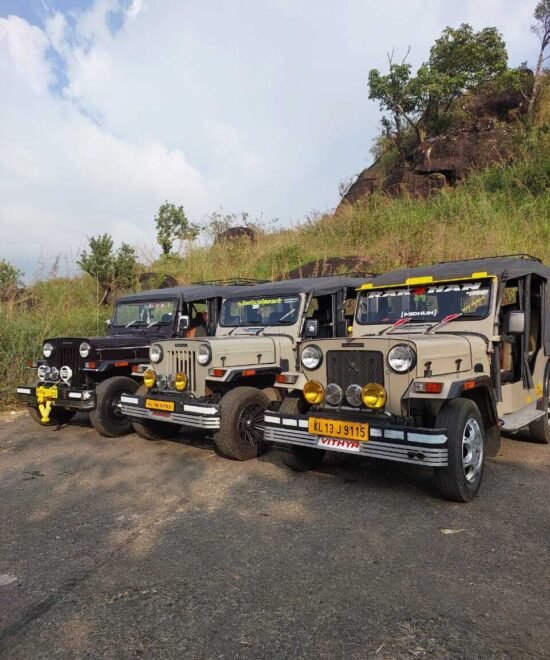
{"type": "Point", "coordinates": [144, 314]}
{"type": "Point", "coordinates": [242, 312]}
{"type": "Point", "coordinates": [430, 303]}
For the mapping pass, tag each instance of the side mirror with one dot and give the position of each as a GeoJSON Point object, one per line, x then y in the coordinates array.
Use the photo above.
{"type": "Point", "coordinates": [311, 328]}
{"type": "Point", "coordinates": [183, 323]}
{"type": "Point", "coordinates": [515, 323]}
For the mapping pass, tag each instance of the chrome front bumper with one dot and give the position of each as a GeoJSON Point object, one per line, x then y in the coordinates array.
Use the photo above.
{"type": "Point", "coordinates": [392, 443]}
{"type": "Point", "coordinates": [195, 415]}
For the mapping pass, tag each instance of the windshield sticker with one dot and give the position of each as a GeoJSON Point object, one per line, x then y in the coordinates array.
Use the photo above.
{"type": "Point", "coordinates": [264, 301]}
{"type": "Point", "coordinates": [471, 288]}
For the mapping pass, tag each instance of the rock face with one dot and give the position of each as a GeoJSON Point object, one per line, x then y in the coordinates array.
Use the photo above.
{"type": "Point", "coordinates": [440, 161]}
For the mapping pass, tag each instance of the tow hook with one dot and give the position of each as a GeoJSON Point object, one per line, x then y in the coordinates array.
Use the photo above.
{"type": "Point", "coordinates": [416, 454]}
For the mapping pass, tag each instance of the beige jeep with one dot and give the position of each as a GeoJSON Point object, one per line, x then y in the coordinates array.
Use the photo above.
{"type": "Point", "coordinates": [441, 359]}
{"type": "Point", "coordinates": [224, 383]}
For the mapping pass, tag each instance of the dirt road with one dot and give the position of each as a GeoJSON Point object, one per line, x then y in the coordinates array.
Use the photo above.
{"type": "Point", "coordinates": [127, 548]}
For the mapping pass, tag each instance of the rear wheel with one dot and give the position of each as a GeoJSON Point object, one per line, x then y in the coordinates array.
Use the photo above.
{"type": "Point", "coordinates": [107, 418]}
{"type": "Point", "coordinates": [540, 429]}
{"type": "Point", "coordinates": [241, 433]}
{"type": "Point", "coordinates": [297, 458]}
{"type": "Point", "coordinates": [151, 429]}
{"type": "Point", "coordinates": [57, 416]}
{"type": "Point", "coordinates": [460, 480]}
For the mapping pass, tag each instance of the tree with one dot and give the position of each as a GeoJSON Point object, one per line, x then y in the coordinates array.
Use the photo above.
{"type": "Point", "coordinates": [172, 224]}
{"type": "Point", "coordinates": [110, 269]}
{"type": "Point", "coordinates": [10, 276]}
{"type": "Point", "coordinates": [542, 29]}
{"type": "Point", "coordinates": [460, 61]}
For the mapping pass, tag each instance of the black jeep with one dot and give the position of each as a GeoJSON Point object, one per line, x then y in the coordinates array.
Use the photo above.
{"type": "Point", "coordinates": [89, 374]}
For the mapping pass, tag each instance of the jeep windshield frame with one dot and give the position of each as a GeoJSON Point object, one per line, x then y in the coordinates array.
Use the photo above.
{"type": "Point", "coordinates": [429, 303]}
{"type": "Point", "coordinates": [265, 308]}
{"type": "Point", "coordinates": [147, 314]}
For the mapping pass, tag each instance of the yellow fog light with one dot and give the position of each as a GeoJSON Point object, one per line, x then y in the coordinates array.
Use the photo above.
{"type": "Point", "coordinates": [373, 395]}
{"type": "Point", "coordinates": [314, 392]}
{"type": "Point", "coordinates": [149, 378]}
{"type": "Point", "coordinates": [181, 381]}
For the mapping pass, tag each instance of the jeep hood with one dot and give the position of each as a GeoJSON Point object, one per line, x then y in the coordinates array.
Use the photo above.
{"type": "Point", "coordinates": [442, 354]}
{"type": "Point", "coordinates": [238, 351]}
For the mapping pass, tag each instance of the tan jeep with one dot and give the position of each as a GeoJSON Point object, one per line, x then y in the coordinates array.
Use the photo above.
{"type": "Point", "coordinates": [440, 360]}
{"type": "Point", "coordinates": [224, 384]}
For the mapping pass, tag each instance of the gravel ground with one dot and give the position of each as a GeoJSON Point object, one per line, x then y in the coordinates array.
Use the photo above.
{"type": "Point", "coordinates": [128, 549]}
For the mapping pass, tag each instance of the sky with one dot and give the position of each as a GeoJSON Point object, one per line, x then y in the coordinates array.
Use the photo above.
{"type": "Point", "coordinates": [110, 107]}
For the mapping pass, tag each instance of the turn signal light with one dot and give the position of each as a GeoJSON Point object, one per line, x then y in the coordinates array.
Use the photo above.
{"type": "Point", "coordinates": [149, 378]}
{"type": "Point", "coordinates": [314, 392]}
{"type": "Point", "coordinates": [373, 396]}
{"type": "Point", "coordinates": [217, 373]}
{"type": "Point", "coordinates": [181, 382]}
{"type": "Point", "coordinates": [428, 388]}
{"type": "Point", "coordinates": [90, 365]}
{"type": "Point", "coordinates": [286, 379]}
{"type": "Point", "coordinates": [249, 372]}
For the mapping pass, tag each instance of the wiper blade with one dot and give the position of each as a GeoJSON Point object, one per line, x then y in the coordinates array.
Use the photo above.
{"type": "Point", "coordinates": [395, 325]}
{"type": "Point", "coordinates": [444, 321]}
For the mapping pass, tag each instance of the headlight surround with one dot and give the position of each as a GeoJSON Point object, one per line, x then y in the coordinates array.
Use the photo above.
{"type": "Point", "coordinates": [401, 358]}
{"type": "Point", "coordinates": [84, 349]}
{"type": "Point", "coordinates": [353, 395]}
{"type": "Point", "coordinates": [314, 392]}
{"type": "Point", "coordinates": [43, 372]}
{"type": "Point", "coordinates": [181, 382]}
{"type": "Point", "coordinates": [374, 396]}
{"type": "Point", "coordinates": [47, 349]}
{"type": "Point", "coordinates": [156, 353]}
{"type": "Point", "coordinates": [312, 357]}
{"type": "Point", "coordinates": [149, 378]}
{"type": "Point", "coordinates": [204, 354]}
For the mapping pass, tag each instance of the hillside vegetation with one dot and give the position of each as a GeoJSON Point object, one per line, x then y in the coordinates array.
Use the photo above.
{"type": "Point", "coordinates": [504, 209]}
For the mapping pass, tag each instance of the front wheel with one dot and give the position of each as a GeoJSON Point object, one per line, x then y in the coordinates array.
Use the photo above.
{"type": "Point", "coordinates": [107, 418]}
{"type": "Point", "coordinates": [460, 480]}
{"type": "Point", "coordinates": [241, 433]}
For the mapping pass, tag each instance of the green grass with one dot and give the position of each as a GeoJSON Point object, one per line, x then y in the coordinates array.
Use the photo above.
{"type": "Point", "coordinates": [502, 210]}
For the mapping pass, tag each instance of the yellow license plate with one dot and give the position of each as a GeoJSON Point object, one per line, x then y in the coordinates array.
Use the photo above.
{"type": "Point", "coordinates": [333, 428]}
{"type": "Point", "coordinates": [44, 393]}
{"type": "Point", "coordinates": [153, 404]}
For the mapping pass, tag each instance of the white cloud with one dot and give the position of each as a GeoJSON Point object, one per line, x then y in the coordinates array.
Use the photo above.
{"type": "Point", "coordinates": [251, 106]}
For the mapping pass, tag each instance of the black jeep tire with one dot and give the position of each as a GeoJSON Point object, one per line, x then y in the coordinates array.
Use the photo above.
{"type": "Point", "coordinates": [57, 416]}
{"type": "Point", "coordinates": [299, 459]}
{"type": "Point", "coordinates": [241, 436]}
{"type": "Point", "coordinates": [460, 480]}
{"type": "Point", "coordinates": [105, 418]}
{"type": "Point", "coordinates": [539, 430]}
{"type": "Point", "coordinates": [151, 429]}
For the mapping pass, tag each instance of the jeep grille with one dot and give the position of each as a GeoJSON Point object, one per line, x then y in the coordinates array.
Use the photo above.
{"type": "Point", "coordinates": [183, 360]}
{"type": "Point", "coordinates": [360, 367]}
{"type": "Point", "coordinates": [67, 355]}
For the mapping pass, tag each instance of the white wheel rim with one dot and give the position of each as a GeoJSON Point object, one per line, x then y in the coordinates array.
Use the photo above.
{"type": "Point", "coordinates": [472, 450]}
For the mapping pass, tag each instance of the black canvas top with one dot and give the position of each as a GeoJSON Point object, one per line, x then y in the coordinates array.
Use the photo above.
{"type": "Point", "coordinates": [190, 293]}
{"type": "Point", "coordinates": [507, 267]}
{"type": "Point", "coordinates": [316, 285]}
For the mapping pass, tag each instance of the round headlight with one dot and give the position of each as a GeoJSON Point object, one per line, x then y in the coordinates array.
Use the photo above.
{"type": "Point", "coordinates": [312, 357]}
{"type": "Point", "coordinates": [43, 372]}
{"type": "Point", "coordinates": [161, 382]}
{"type": "Point", "coordinates": [314, 392]}
{"type": "Point", "coordinates": [156, 353]}
{"type": "Point", "coordinates": [204, 354]}
{"type": "Point", "coordinates": [353, 395]}
{"type": "Point", "coordinates": [149, 378]}
{"type": "Point", "coordinates": [54, 373]}
{"type": "Point", "coordinates": [334, 394]}
{"type": "Point", "coordinates": [181, 382]}
{"type": "Point", "coordinates": [47, 349]}
{"type": "Point", "coordinates": [171, 382]}
{"type": "Point", "coordinates": [374, 396]}
{"type": "Point", "coordinates": [84, 349]}
{"type": "Point", "coordinates": [401, 358]}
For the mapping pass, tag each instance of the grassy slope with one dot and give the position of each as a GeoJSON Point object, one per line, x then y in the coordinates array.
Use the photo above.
{"type": "Point", "coordinates": [503, 210]}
